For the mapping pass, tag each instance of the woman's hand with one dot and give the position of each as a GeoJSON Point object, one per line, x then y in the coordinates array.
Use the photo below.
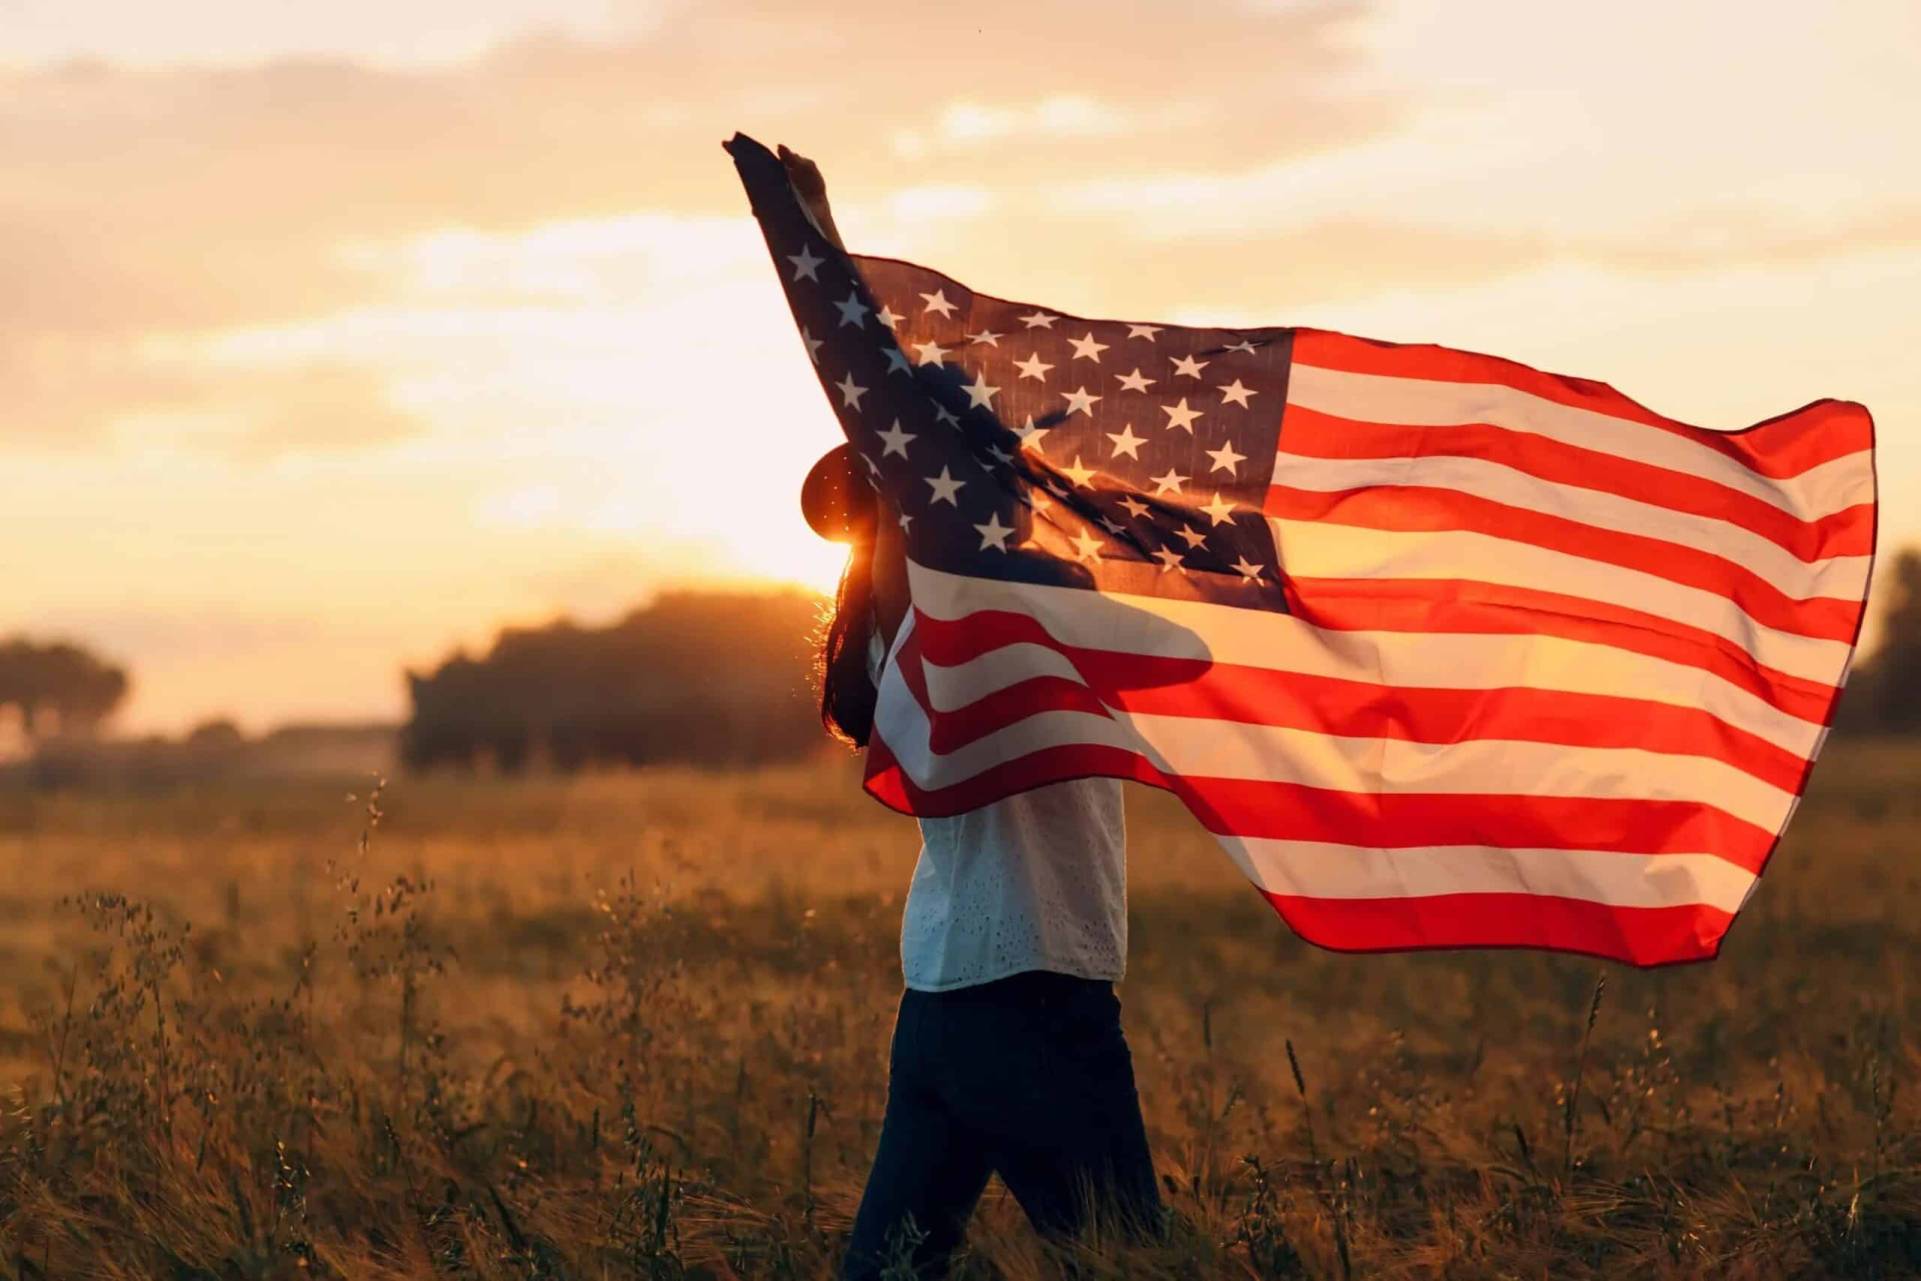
{"type": "Point", "coordinates": [812, 190]}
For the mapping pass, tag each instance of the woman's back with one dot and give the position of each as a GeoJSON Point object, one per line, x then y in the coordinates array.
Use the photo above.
{"type": "Point", "coordinates": [1037, 881]}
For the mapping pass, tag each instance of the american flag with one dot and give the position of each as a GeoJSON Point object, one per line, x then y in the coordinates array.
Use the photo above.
{"type": "Point", "coordinates": [1446, 651]}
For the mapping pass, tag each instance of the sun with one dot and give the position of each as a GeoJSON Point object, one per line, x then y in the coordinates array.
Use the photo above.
{"type": "Point", "coordinates": [781, 549]}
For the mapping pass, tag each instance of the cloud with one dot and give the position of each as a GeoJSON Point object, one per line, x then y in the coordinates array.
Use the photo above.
{"type": "Point", "coordinates": [176, 200]}
{"type": "Point", "coordinates": [1338, 259]}
{"type": "Point", "coordinates": [70, 394]}
{"type": "Point", "coordinates": [244, 31]}
{"type": "Point", "coordinates": [1264, 279]}
{"type": "Point", "coordinates": [968, 124]}
{"type": "Point", "coordinates": [388, 331]}
{"type": "Point", "coordinates": [180, 196]}
{"type": "Point", "coordinates": [1395, 213]}
{"type": "Point", "coordinates": [1747, 236]}
{"type": "Point", "coordinates": [266, 414]}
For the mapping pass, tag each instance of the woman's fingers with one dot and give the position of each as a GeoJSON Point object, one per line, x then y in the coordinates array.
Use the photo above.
{"type": "Point", "coordinates": [805, 175]}
{"type": "Point", "coordinates": [812, 190]}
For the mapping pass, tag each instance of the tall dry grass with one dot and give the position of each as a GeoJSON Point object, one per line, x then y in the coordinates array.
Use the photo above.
{"type": "Point", "coordinates": [634, 1025]}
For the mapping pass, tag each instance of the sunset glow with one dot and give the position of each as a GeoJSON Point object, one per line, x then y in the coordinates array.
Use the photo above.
{"type": "Point", "coordinates": [341, 335]}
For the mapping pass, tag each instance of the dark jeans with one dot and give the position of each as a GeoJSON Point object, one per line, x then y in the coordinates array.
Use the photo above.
{"type": "Point", "coordinates": [1028, 1077]}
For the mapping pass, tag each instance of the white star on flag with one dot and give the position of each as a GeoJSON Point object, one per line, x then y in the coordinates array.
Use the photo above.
{"type": "Point", "coordinates": [1180, 416]}
{"type": "Point", "coordinates": [853, 311]}
{"type": "Point", "coordinates": [945, 487]}
{"type": "Point", "coordinates": [979, 394]}
{"type": "Point", "coordinates": [1225, 458]}
{"type": "Point", "coordinates": [993, 533]}
{"type": "Point", "coordinates": [1081, 402]}
{"type": "Point", "coordinates": [1126, 442]}
{"type": "Point", "coordinates": [805, 262]}
{"type": "Point", "coordinates": [1077, 473]}
{"type": "Point", "coordinates": [896, 440]}
{"type": "Point", "coordinates": [1087, 349]}
{"type": "Point", "coordinates": [1030, 434]}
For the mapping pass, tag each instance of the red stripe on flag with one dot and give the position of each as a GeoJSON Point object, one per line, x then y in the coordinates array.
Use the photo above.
{"type": "Point", "coordinates": [888, 783]}
{"type": "Point", "coordinates": [1638, 935]}
{"type": "Point", "coordinates": [1411, 820]}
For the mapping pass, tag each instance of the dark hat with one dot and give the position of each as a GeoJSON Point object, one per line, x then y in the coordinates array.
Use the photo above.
{"type": "Point", "coordinates": [836, 498]}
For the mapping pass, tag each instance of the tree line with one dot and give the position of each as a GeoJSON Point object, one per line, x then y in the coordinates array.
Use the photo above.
{"type": "Point", "coordinates": [1884, 692]}
{"type": "Point", "coordinates": [702, 677]}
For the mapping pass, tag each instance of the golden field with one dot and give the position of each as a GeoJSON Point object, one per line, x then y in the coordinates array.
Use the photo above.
{"type": "Point", "coordinates": [634, 1025]}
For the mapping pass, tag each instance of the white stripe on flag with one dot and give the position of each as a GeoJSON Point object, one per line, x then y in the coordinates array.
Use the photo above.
{"type": "Point", "coordinates": [1316, 869]}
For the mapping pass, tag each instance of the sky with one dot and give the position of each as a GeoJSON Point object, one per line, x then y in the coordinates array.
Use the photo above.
{"type": "Point", "coordinates": [335, 336]}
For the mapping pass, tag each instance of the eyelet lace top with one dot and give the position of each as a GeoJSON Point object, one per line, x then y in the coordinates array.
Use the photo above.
{"type": "Point", "coordinates": [1037, 881]}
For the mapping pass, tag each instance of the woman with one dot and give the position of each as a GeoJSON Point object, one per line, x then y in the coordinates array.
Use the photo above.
{"type": "Point", "coordinates": [1007, 1055]}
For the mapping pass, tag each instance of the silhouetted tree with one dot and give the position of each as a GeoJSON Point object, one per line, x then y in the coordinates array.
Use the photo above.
{"type": "Point", "coordinates": [1884, 693]}
{"type": "Point", "coordinates": [59, 687]}
{"type": "Point", "coordinates": [714, 678]}
{"type": "Point", "coordinates": [215, 736]}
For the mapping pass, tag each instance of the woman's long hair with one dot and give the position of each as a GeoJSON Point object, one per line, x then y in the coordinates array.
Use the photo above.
{"type": "Point", "coordinates": [847, 692]}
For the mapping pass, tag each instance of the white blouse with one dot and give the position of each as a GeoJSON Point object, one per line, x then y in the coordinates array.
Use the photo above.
{"type": "Point", "coordinates": [1037, 881]}
{"type": "Point", "coordinates": [1034, 882]}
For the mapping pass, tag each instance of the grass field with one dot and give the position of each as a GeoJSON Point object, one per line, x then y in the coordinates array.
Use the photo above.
{"type": "Point", "coordinates": [634, 1025]}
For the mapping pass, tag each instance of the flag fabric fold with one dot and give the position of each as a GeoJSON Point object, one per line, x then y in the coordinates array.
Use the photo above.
{"type": "Point", "coordinates": [1446, 652]}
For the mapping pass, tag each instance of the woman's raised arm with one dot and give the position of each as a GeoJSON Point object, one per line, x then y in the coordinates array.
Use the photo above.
{"type": "Point", "coordinates": [804, 174]}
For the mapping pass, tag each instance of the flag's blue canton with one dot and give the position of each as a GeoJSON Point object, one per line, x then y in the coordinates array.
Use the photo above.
{"type": "Point", "coordinates": [1012, 442]}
